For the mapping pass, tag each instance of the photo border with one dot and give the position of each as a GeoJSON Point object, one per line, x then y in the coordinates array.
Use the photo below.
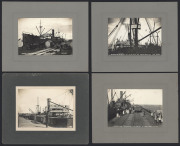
{"type": "Point", "coordinates": [167, 133]}
{"type": "Point", "coordinates": [9, 133]}
{"type": "Point", "coordinates": [128, 15]}
{"type": "Point", "coordinates": [44, 129]}
{"type": "Point", "coordinates": [121, 126]}
{"type": "Point", "coordinates": [166, 62]}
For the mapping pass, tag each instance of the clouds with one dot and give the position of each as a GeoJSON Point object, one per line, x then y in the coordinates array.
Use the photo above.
{"type": "Point", "coordinates": [142, 96]}
{"type": "Point", "coordinates": [28, 97]}
{"type": "Point", "coordinates": [28, 25]}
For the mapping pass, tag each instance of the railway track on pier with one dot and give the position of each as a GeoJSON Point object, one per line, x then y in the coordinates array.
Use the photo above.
{"type": "Point", "coordinates": [137, 119]}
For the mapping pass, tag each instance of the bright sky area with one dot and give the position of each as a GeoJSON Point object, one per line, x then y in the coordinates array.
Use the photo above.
{"type": "Point", "coordinates": [123, 35]}
{"type": "Point", "coordinates": [62, 25]}
{"type": "Point", "coordinates": [140, 96]}
{"type": "Point", "coordinates": [27, 97]}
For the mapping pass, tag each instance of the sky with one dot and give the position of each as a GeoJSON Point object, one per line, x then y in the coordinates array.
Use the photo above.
{"type": "Point", "coordinates": [28, 25]}
{"type": "Point", "coordinates": [123, 35]}
{"type": "Point", "coordinates": [27, 97]}
{"type": "Point", "coordinates": [141, 96]}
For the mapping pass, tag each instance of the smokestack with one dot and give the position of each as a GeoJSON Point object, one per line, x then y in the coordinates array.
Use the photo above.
{"type": "Point", "coordinates": [52, 33]}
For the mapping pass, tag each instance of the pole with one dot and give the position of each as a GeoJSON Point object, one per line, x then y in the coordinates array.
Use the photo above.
{"type": "Point", "coordinates": [136, 32]}
{"type": "Point", "coordinates": [37, 105]}
{"type": "Point", "coordinates": [157, 37]}
{"type": "Point", "coordinates": [47, 114]}
{"type": "Point", "coordinates": [40, 27]}
{"type": "Point", "coordinates": [130, 33]}
{"type": "Point", "coordinates": [111, 94]}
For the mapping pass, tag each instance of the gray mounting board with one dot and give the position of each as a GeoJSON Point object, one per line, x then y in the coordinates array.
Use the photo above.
{"type": "Point", "coordinates": [167, 133]}
{"type": "Point", "coordinates": [9, 133]}
{"type": "Point", "coordinates": [77, 62]}
{"type": "Point", "coordinates": [166, 62]}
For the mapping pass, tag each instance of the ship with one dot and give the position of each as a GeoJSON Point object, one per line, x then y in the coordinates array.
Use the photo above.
{"type": "Point", "coordinates": [123, 106]}
{"type": "Point", "coordinates": [55, 115]}
{"type": "Point", "coordinates": [51, 44]}
{"type": "Point", "coordinates": [119, 107]}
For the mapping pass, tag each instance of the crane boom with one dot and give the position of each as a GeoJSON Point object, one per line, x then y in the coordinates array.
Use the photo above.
{"type": "Point", "coordinates": [31, 111]}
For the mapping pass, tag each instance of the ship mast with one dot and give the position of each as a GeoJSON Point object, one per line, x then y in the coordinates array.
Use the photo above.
{"type": "Point", "coordinates": [37, 106]}
{"type": "Point", "coordinates": [136, 32]}
{"type": "Point", "coordinates": [130, 41]}
{"type": "Point", "coordinates": [40, 31]}
{"type": "Point", "coordinates": [40, 28]}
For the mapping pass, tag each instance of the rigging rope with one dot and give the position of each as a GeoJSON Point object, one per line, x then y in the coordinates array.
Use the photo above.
{"type": "Point", "coordinates": [150, 29]}
{"type": "Point", "coordinates": [114, 28]}
{"type": "Point", "coordinates": [124, 34]}
{"type": "Point", "coordinates": [117, 30]}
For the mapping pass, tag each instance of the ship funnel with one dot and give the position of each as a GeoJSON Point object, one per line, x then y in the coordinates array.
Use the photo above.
{"type": "Point", "coordinates": [52, 33]}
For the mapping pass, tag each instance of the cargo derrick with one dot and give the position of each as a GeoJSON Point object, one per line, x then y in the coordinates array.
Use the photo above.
{"type": "Point", "coordinates": [131, 44]}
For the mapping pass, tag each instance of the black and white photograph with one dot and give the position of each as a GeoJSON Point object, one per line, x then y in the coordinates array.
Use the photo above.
{"type": "Point", "coordinates": [45, 36]}
{"type": "Point", "coordinates": [134, 36]}
{"type": "Point", "coordinates": [45, 108]}
{"type": "Point", "coordinates": [135, 107]}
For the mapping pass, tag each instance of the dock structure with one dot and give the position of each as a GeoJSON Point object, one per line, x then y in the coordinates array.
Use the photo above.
{"type": "Point", "coordinates": [123, 112]}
